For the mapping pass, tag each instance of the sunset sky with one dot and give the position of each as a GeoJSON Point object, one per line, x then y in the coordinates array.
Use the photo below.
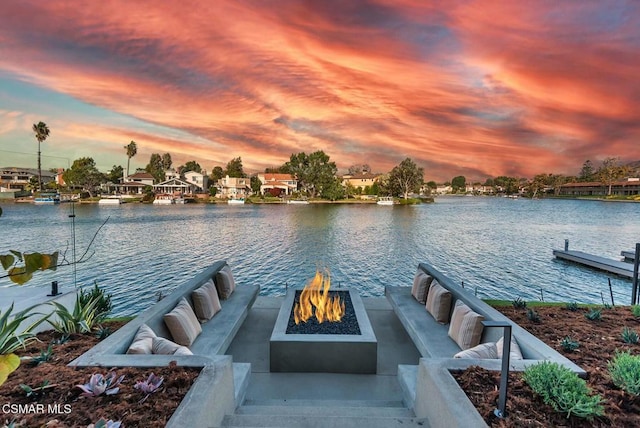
{"type": "Point", "coordinates": [478, 88]}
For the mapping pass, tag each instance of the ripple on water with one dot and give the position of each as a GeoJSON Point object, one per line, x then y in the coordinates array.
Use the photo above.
{"type": "Point", "coordinates": [500, 248]}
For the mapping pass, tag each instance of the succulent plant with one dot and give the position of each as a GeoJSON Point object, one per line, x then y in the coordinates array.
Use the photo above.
{"type": "Point", "coordinates": [519, 303]}
{"type": "Point", "coordinates": [573, 306]}
{"type": "Point", "coordinates": [568, 344]}
{"type": "Point", "coordinates": [99, 384]}
{"type": "Point", "coordinates": [533, 315]}
{"type": "Point", "coordinates": [103, 332]}
{"type": "Point", "coordinates": [594, 314]}
{"type": "Point", "coordinates": [150, 385]}
{"type": "Point", "coordinates": [44, 356]}
{"type": "Point", "coordinates": [630, 336]}
{"type": "Point", "coordinates": [106, 424]}
{"type": "Point", "coordinates": [635, 310]}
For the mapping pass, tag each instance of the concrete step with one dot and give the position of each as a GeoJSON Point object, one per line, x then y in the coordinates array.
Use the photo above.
{"type": "Point", "coordinates": [323, 403]}
{"type": "Point", "coordinates": [313, 411]}
{"type": "Point", "coordinates": [302, 421]}
{"type": "Point", "coordinates": [407, 378]}
{"type": "Point", "coordinates": [241, 376]}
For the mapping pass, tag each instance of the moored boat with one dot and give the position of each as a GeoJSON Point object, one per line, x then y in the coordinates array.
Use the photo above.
{"type": "Point", "coordinates": [47, 198]}
{"type": "Point", "coordinates": [113, 200]}
{"type": "Point", "coordinates": [385, 200]}
{"type": "Point", "coordinates": [235, 201]}
{"type": "Point", "coordinates": [164, 199]}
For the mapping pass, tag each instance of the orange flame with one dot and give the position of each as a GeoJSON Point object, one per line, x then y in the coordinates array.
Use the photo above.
{"type": "Point", "coordinates": [316, 295]}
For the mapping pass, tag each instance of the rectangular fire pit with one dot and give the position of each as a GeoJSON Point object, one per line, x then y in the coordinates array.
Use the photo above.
{"type": "Point", "coordinates": [328, 353]}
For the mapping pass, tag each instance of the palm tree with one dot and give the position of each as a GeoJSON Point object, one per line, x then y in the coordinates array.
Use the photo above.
{"type": "Point", "coordinates": [42, 132]}
{"type": "Point", "coordinates": [132, 150]}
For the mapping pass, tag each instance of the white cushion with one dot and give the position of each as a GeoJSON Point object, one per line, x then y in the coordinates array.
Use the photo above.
{"type": "Point", "coordinates": [481, 351]}
{"type": "Point", "coordinates": [466, 326]}
{"type": "Point", "coordinates": [164, 346]}
{"type": "Point", "coordinates": [205, 301]}
{"type": "Point", "coordinates": [514, 353]}
{"type": "Point", "coordinates": [143, 341]}
{"type": "Point", "coordinates": [182, 323]}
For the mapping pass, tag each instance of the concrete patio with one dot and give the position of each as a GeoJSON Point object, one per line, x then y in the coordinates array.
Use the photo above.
{"type": "Point", "coordinates": [323, 399]}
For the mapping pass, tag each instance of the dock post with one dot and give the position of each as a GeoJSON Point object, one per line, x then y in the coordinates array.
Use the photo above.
{"type": "Point", "coordinates": [636, 262]}
{"type": "Point", "coordinates": [566, 245]}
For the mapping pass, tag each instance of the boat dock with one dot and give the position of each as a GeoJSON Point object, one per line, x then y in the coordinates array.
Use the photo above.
{"type": "Point", "coordinates": [597, 262]}
{"type": "Point", "coordinates": [629, 256]}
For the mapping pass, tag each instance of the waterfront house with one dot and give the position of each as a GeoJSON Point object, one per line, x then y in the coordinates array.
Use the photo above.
{"type": "Point", "coordinates": [199, 181]}
{"type": "Point", "coordinates": [233, 187]}
{"type": "Point", "coordinates": [626, 187]}
{"type": "Point", "coordinates": [176, 186]}
{"type": "Point", "coordinates": [277, 184]}
{"type": "Point", "coordinates": [135, 183]}
{"type": "Point", "coordinates": [362, 180]}
{"type": "Point", "coordinates": [17, 179]}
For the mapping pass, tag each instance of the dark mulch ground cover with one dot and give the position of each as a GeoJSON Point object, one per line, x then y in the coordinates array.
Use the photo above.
{"type": "Point", "coordinates": [599, 341]}
{"type": "Point", "coordinates": [62, 405]}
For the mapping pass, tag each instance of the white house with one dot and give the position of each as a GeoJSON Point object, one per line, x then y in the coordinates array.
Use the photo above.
{"type": "Point", "coordinates": [200, 180]}
{"type": "Point", "coordinates": [284, 183]}
{"type": "Point", "coordinates": [136, 183]}
{"type": "Point", "coordinates": [233, 187]}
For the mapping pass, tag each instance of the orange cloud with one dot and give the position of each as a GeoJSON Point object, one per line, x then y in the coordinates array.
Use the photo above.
{"type": "Point", "coordinates": [477, 88]}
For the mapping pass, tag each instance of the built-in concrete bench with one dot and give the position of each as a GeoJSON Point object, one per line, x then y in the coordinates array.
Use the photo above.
{"type": "Point", "coordinates": [432, 339]}
{"type": "Point", "coordinates": [429, 388]}
{"type": "Point", "coordinates": [217, 333]}
{"type": "Point", "coordinates": [221, 385]}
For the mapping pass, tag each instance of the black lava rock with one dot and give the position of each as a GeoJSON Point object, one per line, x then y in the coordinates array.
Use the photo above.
{"type": "Point", "coordinates": [348, 324]}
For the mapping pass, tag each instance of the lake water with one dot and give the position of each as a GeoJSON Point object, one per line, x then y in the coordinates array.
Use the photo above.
{"type": "Point", "coordinates": [499, 247]}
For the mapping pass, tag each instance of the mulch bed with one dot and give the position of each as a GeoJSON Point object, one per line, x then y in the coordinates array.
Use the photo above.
{"type": "Point", "coordinates": [599, 341]}
{"type": "Point", "coordinates": [62, 405]}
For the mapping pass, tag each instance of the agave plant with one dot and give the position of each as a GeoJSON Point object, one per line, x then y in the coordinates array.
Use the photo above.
{"type": "Point", "coordinates": [82, 320]}
{"type": "Point", "coordinates": [10, 340]}
{"type": "Point", "coordinates": [99, 384]}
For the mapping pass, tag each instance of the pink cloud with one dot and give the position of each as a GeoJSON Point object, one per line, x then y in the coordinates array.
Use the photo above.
{"type": "Point", "coordinates": [486, 88]}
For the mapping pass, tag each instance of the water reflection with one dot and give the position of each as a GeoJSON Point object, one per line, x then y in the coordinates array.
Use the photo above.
{"type": "Point", "coordinates": [502, 247]}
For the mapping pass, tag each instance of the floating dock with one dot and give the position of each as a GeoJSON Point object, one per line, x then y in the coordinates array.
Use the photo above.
{"type": "Point", "coordinates": [597, 262]}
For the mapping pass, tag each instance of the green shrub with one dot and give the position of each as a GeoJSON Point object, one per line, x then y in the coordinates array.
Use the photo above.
{"type": "Point", "coordinates": [625, 372]}
{"type": "Point", "coordinates": [103, 305]}
{"type": "Point", "coordinates": [594, 314]}
{"type": "Point", "coordinates": [629, 336]}
{"type": "Point", "coordinates": [573, 306]}
{"type": "Point", "coordinates": [569, 345]}
{"type": "Point", "coordinates": [635, 310]}
{"type": "Point", "coordinates": [519, 303]}
{"type": "Point", "coordinates": [563, 390]}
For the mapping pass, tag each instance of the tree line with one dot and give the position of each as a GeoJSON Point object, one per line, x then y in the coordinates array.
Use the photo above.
{"type": "Point", "coordinates": [316, 174]}
{"type": "Point", "coordinates": [606, 173]}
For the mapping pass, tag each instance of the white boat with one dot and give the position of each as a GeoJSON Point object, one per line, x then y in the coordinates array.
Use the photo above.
{"type": "Point", "coordinates": [110, 201]}
{"type": "Point", "coordinates": [164, 199]}
{"type": "Point", "coordinates": [298, 202]}
{"type": "Point", "coordinates": [385, 200]}
{"type": "Point", "coordinates": [47, 198]}
{"type": "Point", "coordinates": [234, 201]}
